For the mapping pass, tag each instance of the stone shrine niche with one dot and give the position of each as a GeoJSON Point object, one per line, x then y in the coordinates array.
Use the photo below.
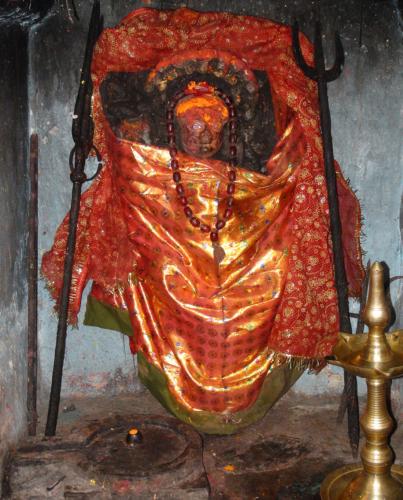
{"type": "Point", "coordinates": [135, 103]}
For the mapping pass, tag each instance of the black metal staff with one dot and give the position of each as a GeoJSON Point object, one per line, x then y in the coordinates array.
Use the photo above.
{"type": "Point", "coordinates": [322, 77]}
{"type": "Point", "coordinates": [82, 131]}
{"type": "Point", "coordinates": [33, 288]}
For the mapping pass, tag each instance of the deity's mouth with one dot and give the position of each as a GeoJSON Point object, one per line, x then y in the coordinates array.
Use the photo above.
{"type": "Point", "coordinates": [200, 148]}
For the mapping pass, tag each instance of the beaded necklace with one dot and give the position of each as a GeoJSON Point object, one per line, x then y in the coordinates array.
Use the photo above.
{"type": "Point", "coordinates": [198, 89]}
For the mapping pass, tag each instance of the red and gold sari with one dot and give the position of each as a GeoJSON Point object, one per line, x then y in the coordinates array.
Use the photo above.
{"type": "Point", "coordinates": [217, 346]}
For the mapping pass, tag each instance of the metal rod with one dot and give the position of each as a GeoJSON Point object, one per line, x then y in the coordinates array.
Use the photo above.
{"type": "Point", "coordinates": [79, 124]}
{"type": "Point", "coordinates": [350, 380]}
{"type": "Point", "coordinates": [63, 317]}
{"type": "Point", "coordinates": [81, 132]}
{"type": "Point", "coordinates": [359, 329]}
{"type": "Point", "coordinates": [33, 288]}
{"type": "Point", "coordinates": [363, 299]}
{"type": "Point", "coordinates": [322, 76]}
{"type": "Point", "coordinates": [331, 181]}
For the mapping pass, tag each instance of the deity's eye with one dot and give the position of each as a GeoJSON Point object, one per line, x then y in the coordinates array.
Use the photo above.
{"type": "Point", "coordinates": [216, 126]}
{"type": "Point", "coordinates": [197, 127]}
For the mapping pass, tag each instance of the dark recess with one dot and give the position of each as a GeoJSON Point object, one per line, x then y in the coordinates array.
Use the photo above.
{"type": "Point", "coordinates": [24, 10]}
{"type": "Point", "coordinates": [124, 97]}
{"type": "Point", "coordinates": [13, 164]}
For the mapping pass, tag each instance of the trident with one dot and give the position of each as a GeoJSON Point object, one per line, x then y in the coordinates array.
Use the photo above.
{"type": "Point", "coordinates": [83, 129]}
{"type": "Point", "coordinates": [322, 76]}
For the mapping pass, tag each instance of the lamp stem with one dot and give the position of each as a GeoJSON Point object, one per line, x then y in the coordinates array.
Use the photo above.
{"type": "Point", "coordinates": [376, 455]}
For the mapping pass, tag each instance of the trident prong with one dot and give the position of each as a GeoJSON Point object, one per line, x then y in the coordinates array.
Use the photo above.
{"type": "Point", "coordinates": [319, 74]}
{"type": "Point", "coordinates": [335, 72]}
{"type": "Point", "coordinates": [309, 71]}
{"type": "Point", "coordinates": [313, 72]}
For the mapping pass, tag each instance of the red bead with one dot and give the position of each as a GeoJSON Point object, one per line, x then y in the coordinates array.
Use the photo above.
{"type": "Point", "coordinates": [232, 112]}
{"type": "Point", "coordinates": [231, 188]}
{"type": "Point", "coordinates": [232, 163]}
{"type": "Point", "coordinates": [232, 151]}
{"type": "Point", "coordinates": [171, 139]}
{"type": "Point", "coordinates": [180, 96]}
{"type": "Point", "coordinates": [174, 164]}
{"type": "Point", "coordinates": [231, 175]}
{"type": "Point", "coordinates": [232, 125]}
{"type": "Point", "coordinates": [228, 100]}
{"type": "Point", "coordinates": [204, 228]}
{"type": "Point", "coordinates": [177, 177]}
{"type": "Point", "coordinates": [219, 92]}
{"type": "Point", "coordinates": [174, 152]}
{"type": "Point", "coordinates": [214, 236]}
{"type": "Point", "coordinates": [220, 224]}
{"type": "Point", "coordinates": [230, 202]}
{"type": "Point", "coordinates": [233, 138]}
{"type": "Point", "coordinates": [179, 189]}
{"type": "Point", "coordinates": [183, 201]}
{"type": "Point", "coordinates": [170, 127]}
{"type": "Point", "coordinates": [170, 115]}
{"type": "Point", "coordinates": [195, 222]}
{"type": "Point", "coordinates": [188, 212]}
{"type": "Point", "coordinates": [228, 213]}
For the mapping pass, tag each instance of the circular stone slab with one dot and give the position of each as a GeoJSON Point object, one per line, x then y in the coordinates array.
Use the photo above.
{"type": "Point", "coordinates": [166, 446]}
{"type": "Point", "coordinates": [96, 462]}
{"type": "Point", "coordinates": [272, 453]}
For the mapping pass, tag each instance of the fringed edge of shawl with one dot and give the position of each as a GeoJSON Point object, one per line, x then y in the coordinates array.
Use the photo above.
{"type": "Point", "coordinates": [312, 364]}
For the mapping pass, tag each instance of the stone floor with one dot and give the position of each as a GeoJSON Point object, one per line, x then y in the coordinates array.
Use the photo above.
{"type": "Point", "coordinates": [284, 456]}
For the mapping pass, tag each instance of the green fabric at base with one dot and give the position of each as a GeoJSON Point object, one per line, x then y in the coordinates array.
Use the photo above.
{"type": "Point", "coordinates": [278, 381]}
{"type": "Point", "coordinates": [106, 316]}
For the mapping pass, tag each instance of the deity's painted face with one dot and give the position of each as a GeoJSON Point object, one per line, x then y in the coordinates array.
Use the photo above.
{"type": "Point", "coordinates": [201, 121]}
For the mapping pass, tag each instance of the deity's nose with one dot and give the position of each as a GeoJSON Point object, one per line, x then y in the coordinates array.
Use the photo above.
{"type": "Point", "coordinates": [206, 136]}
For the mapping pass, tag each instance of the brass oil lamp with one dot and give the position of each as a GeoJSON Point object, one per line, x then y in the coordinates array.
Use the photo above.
{"type": "Point", "coordinates": [378, 357]}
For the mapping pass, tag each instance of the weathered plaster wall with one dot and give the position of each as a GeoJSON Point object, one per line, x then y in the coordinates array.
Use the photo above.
{"type": "Point", "coordinates": [366, 110]}
{"type": "Point", "coordinates": [13, 234]}
{"type": "Point", "coordinates": [97, 361]}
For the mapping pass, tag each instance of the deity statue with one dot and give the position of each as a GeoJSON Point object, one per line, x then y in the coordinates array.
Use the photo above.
{"type": "Point", "coordinates": [207, 234]}
{"type": "Point", "coordinates": [201, 122]}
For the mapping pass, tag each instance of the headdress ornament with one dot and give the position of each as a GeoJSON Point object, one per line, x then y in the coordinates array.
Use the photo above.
{"type": "Point", "coordinates": [241, 81]}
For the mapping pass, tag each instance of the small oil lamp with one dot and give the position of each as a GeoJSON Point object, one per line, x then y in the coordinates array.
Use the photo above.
{"type": "Point", "coordinates": [134, 437]}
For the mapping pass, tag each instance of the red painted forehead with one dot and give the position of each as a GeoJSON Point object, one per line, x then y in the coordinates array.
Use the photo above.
{"type": "Point", "coordinates": [206, 107]}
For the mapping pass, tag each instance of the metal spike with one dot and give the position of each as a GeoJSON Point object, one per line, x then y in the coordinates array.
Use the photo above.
{"type": "Point", "coordinates": [335, 72]}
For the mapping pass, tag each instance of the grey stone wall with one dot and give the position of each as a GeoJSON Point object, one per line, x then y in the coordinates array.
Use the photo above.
{"type": "Point", "coordinates": [366, 105]}
{"type": "Point", "coordinates": [13, 234]}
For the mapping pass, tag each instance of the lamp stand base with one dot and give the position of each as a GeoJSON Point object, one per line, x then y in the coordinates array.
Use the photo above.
{"type": "Point", "coordinates": [337, 485]}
